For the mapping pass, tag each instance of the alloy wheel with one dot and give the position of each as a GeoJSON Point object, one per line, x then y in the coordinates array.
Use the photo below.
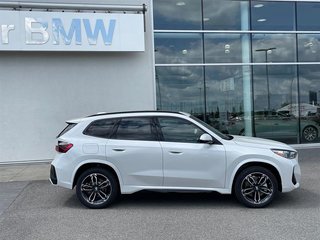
{"type": "Point", "coordinates": [96, 188]}
{"type": "Point", "coordinates": [257, 188]}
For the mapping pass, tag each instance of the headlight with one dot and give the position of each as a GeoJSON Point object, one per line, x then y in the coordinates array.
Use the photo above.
{"type": "Point", "coordinates": [285, 153]}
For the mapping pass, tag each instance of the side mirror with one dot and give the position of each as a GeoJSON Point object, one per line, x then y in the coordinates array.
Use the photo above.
{"type": "Point", "coordinates": [206, 138]}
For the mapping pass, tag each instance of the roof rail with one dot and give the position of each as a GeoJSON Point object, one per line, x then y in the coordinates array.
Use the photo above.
{"type": "Point", "coordinates": [147, 111]}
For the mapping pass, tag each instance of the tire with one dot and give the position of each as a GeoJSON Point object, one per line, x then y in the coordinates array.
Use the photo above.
{"type": "Point", "coordinates": [97, 188]}
{"type": "Point", "coordinates": [309, 134]}
{"type": "Point", "coordinates": [255, 187]}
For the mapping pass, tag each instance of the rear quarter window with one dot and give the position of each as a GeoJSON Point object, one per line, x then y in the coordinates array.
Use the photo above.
{"type": "Point", "coordinates": [100, 128]}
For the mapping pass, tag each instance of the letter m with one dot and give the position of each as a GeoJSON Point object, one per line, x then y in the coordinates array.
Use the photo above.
{"type": "Point", "coordinates": [58, 30]}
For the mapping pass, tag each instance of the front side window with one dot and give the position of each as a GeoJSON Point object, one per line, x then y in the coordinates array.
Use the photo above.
{"type": "Point", "coordinates": [135, 129]}
{"type": "Point", "coordinates": [179, 130]}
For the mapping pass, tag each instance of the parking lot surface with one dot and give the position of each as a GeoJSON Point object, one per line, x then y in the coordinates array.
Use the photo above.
{"type": "Point", "coordinates": [38, 210]}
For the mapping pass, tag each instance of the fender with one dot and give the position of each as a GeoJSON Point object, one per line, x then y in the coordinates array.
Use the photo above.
{"type": "Point", "coordinates": [240, 164]}
{"type": "Point", "coordinates": [102, 162]}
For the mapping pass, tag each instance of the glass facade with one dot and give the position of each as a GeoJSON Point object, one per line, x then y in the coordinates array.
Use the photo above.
{"type": "Point", "coordinates": [245, 67]}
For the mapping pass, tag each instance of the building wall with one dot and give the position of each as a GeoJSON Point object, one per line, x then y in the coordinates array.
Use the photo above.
{"type": "Point", "coordinates": [39, 91]}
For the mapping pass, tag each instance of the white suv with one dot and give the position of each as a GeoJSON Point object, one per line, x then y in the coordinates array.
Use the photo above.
{"type": "Point", "coordinates": [106, 154]}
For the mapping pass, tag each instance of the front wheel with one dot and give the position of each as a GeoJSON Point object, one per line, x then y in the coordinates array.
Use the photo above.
{"type": "Point", "coordinates": [255, 187]}
{"type": "Point", "coordinates": [97, 188]}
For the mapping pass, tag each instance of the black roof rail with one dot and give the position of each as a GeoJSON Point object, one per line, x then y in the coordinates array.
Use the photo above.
{"type": "Point", "coordinates": [141, 111]}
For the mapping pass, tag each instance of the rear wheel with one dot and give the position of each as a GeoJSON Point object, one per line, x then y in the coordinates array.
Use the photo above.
{"type": "Point", "coordinates": [256, 187]}
{"type": "Point", "coordinates": [97, 188]}
{"type": "Point", "coordinates": [309, 133]}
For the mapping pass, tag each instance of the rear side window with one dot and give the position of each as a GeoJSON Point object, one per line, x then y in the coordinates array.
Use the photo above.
{"type": "Point", "coordinates": [100, 128]}
{"type": "Point", "coordinates": [66, 129]}
{"type": "Point", "coordinates": [136, 129]}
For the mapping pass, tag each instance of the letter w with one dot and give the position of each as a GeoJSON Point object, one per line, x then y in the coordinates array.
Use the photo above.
{"type": "Point", "coordinates": [99, 27]}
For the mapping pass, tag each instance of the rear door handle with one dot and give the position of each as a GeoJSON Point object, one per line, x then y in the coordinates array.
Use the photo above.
{"type": "Point", "coordinates": [175, 152]}
{"type": "Point", "coordinates": [118, 149]}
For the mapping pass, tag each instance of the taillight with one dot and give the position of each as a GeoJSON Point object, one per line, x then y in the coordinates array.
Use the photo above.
{"type": "Point", "coordinates": [63, 147]}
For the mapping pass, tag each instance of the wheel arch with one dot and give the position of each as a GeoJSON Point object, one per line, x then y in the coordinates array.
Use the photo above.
{"type": "Point", "coordinates": [88, 165]}
{"type": "Point", "coordinates": [266, 165]}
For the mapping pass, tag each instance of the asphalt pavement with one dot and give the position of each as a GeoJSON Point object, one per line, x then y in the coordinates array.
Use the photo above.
{"type": "Point", "coordinates": [37, 210]}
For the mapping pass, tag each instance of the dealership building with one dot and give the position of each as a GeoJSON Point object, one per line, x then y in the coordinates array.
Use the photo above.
{"type": "Point", "coordinates": [245, 67]}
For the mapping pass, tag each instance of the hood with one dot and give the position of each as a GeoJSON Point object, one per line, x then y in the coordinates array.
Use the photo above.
{"type": "Point", "coordinates": [260, 143]}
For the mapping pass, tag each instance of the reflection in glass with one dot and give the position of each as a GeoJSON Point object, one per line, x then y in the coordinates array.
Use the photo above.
{"type": "Point", "coordinates": [279, 47]}
{"type": "Point", "coordinates": [308, 16]}
{"type": "Point", "coordinates": [309, 47]}
{"type": "Point", "coordinates": [274, 16]}
{"type": "Point", "coordinates": [180, 89]}
{"type": "Point", "coordinates": [225, 98]}
{"type": "Point", "coordinates": [225, 48]}
{"type": "Point", "coordinates": [224, 15]}
{"type": "Point", "coordinates": [309, 84]}
{"type": "Point", "coordinates": [172, 15]}
{"type": "Point", "coordinates": [274, 117]}
{"type": "Point", "coordinates": [178, 48]}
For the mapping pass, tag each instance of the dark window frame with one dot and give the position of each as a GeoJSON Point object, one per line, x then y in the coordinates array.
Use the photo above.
{"type": "Point", "coordinates": [103, 119]}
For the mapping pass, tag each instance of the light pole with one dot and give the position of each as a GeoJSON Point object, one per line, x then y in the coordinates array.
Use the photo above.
{"type": "Point", "coordinates": [266, 50]}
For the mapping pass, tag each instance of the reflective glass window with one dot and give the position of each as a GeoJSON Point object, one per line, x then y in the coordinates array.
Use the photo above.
{"type": "Point", "coordinates": [180, 89]}
{"type": "Point", "coordinates": [179, 130]}
{"type": "Point", "coordinates": [309, 85]}
{"type": "Point", "coordinates": [228, 95]}
{"type": "Point", "coordinates": [309, 47]}
{"type": "Point", "coordinates": [275, 97]}
{"type": "Point", "coordinates": [308, 16]}
{"type": "Point", "coordinates": [184, 14]}
{"type": "Point", "coordinates": [226, 48]}
{"type": "Point", "coordinates": [274, 16]}
{"type": "Point", "coordinates": [274, 47]}
{"type": "Point", "coordinates": [225, 15]}
{"type": "Point", "coordinates": [178, 48]}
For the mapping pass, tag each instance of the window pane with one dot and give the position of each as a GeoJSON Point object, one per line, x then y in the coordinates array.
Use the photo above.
{"type": "Point", "coordinates": [274, 48]}
{"type": "Point", "coordinates": [168, 14]}
{"type": "Point", "coordinates": [309, 47]}
{"type": "Point", "coordinates": [228, 104]}
{"type": "Point", "coordinates": [226, 48]}
{"type": "Point", "coordinates": [274, 16]}
{"type": "Point", "coordinates": [275, 95]}
{"type": "Point", "coordinates": [179, 130]}
{"type": "Point", "coordinates": [225, 15]}
{"type": "Point", "coordinates": [100, 128]}
{"type": "Point", "coordinates": [180, 89]}
{"type": "Point", "coordinates": [309, 84]}
{"type": "Point", "coordinates": [308, 16]}
{"type": "Point", "coordinates": [135, 129]}
{"type": "Point", "coordinates": [178, 48]}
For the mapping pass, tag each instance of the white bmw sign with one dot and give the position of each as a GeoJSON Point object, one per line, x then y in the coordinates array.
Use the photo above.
{"type": "Point", "coordinates": [69, 31]}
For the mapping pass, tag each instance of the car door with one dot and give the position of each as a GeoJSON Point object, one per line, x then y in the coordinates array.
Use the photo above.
{"type": "Point", "coordinates": [136, 152]}
{"type": "Point", "coordinates": [186, 162]}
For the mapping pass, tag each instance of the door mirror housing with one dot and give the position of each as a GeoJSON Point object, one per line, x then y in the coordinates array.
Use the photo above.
{"type": "Point", "coordinates": [206, 138]}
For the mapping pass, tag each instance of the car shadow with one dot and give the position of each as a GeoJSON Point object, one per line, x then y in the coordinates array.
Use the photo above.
{"type": "Point", "coordinates": [299, 199]}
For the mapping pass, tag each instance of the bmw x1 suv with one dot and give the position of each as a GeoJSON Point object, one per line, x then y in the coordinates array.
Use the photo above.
{"type": "Point", "coordinates": [109, 154]}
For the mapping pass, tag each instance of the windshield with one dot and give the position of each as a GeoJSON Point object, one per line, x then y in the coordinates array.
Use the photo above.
{"type": "Point", "coordinates": [212, 129]}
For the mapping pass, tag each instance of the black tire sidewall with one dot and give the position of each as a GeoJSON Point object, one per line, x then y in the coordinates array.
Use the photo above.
{"type": "Point", "coordinates": [243, 174]}
{"type": "Point", "coordinates": [113, 181]}
{"type": "Point", "coordinates": [315, 129]}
